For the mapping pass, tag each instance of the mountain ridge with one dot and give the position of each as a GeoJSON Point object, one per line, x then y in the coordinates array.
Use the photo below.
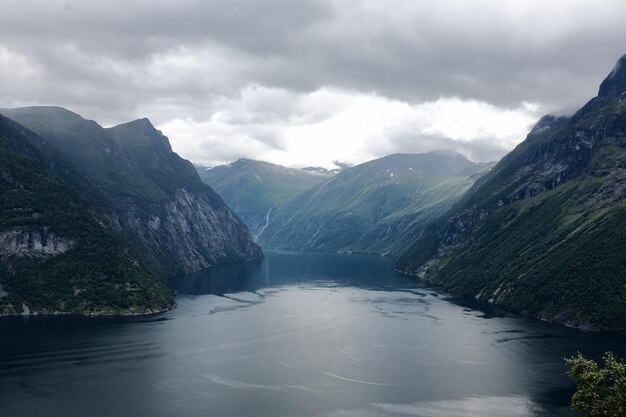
{"type": "Point", "coordinates": [374, 207]}
{"type": "Point", "coordinates": [517, 238]}
{"type": "Point", "coordinates": [153, 197]}
{"type": "Point", "coordinates": [253, 188]}
{"type": "Point", "coordinates": [56, 255]}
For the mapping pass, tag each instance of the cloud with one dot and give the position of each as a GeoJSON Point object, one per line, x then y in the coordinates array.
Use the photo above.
{"type": "Point", "coordinates": [262, 69]}
{"type": "Point", "coordinates": [328, 125]}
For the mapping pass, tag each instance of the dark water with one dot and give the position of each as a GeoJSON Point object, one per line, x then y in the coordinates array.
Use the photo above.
{"type": "Point", "coordinates": [294, 335]}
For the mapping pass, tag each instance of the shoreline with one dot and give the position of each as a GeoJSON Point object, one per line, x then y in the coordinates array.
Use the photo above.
{"type": "Point", "coordinates": [94, 315]}
{"type": "Point", "coordinates": [582, 328]}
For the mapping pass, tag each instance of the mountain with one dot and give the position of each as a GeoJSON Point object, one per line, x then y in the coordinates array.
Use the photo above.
{"type": "Point", "coordinates": [322, 170]}
{"type": "Point", "coordinates": [544, 233]}
{"type": "Point", "coordinates": [55, 254]}
{"type": "Point", "coordinates": [150, 195]}
{"type": "Point", "coordinates": [376, 207]}
{"type": "Point", "coordinates": [253, 188]}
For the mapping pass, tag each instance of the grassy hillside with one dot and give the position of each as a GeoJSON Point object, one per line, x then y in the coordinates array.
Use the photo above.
{"type": "Point", "coordinates": [376, 207]}
{"type": "Point", "coordinates": [253, 188]}
{"type": "Point", "coordinates": [544, 233]}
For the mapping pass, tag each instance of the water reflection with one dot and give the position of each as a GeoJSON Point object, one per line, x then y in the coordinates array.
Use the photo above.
{"type": "Point", "coordinates": [294, 335]}
{"type": "Point", "coordinates": [282, 268]}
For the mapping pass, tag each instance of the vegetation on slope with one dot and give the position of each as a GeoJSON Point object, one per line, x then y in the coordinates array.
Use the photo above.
{"type": "Point", "coordinates": [150, 195]}
{"type": "Point", "coordinates": [544, 233]}
{"type": "Point", "coordinates": [376, 207]}
{"type": "Point", "coordinates": [100, 273]}
{"type": "Point", "coordinates": [253, 188]}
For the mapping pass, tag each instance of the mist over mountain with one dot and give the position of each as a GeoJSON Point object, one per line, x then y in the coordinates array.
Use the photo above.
{"type": "Point", "coordinates": [135, 188]}
{"type": "Point", "coordinates": [56, 255]}
{"type": "Point", "coordinates": [254, 188]}
{"type": "Point", "coordinates": [312, 208]}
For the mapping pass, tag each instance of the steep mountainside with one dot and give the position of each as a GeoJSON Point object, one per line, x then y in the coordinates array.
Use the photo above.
{"type": "Point", "coordinates": [151, 195]}
{"type": "Point", "coordinates": [55, 255]}
{"type": "Point", "coordinates": [376, 207]}
{"type": "Point", "coordinates": [253, 188]}
{"type": "Point", "coordinates": [544, 233]}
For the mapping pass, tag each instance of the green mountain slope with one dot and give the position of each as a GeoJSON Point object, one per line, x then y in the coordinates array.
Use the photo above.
{"type": "Point", "coordinates": [55, 255]}
{"type": "Point", "coordinates": [376, 207]}
{"type": "Point", "coordinates": [544, 233]}
{"type": "Point", "coordinates": [253, 188]}
{"type": "Point", "coordinates": [150, 195]}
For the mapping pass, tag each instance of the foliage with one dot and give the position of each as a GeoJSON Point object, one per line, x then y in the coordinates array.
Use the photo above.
{"type": "Point", "coordinates": [531, 258]}
{"type": "Point", "coordinates": [376, 207]}
{"type": "Point", "coordinates": [152, 154]}
{"type": "Point", "coordinates": [101, 274]}
{"type": "Point", "coordinates": [601, 391]}
{"type": "Point", "coordinates": [544, 233]}
{"type": "Point", "coordinates": [132, 178]}
{"type": "Point", "coordinates": [252, 188]}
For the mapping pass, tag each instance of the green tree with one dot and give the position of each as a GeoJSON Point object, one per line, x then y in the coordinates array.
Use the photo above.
{"type": "Point", "coordinates": [601, 391]}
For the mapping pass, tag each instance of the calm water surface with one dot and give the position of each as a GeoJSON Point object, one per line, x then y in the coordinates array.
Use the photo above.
{"type": "Point", "coordinates": [299, 334]}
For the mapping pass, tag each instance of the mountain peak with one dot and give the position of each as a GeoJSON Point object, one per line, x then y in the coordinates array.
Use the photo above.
{"type": "Point", "coordinates": [614, 84]}
{"type": "Point", "coordinates": [144, 121]}
{"type": "Point", "coordinates": [48, 114]}
{"type": "Point", "coordinates": [140, 133]}
{"type": "Point", "coordinates": [143, 124]}
{"type": "Point", "coordinates": [547, 122]}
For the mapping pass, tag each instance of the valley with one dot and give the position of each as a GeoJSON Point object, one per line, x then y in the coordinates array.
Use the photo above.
{"type": "Point", "coordinates": [539, 233]}
{"type": "Point", "coordinates": [377, 207]}
{"type": "Point", "coordinates": [312, 209]}
{"type": "Point", "coordinates": [307, 334]}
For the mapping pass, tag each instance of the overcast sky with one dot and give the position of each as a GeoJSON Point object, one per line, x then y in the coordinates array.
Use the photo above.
{"type": "Point", "coordinates": [308, 82]}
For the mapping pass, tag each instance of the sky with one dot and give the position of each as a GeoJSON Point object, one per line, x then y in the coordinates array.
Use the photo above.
{"type": "Point", "coordinates": [308, 82]}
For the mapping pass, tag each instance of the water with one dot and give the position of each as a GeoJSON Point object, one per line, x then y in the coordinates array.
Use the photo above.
{"type": "Point", "coordinates": [295, 335]}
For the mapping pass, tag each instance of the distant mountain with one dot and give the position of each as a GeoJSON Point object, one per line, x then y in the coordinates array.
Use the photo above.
{"type": "Point", "coordinates": [253, 188]}
{"type": "Point", "coordinates": [148, 193]}
{"type": "Point", "coordinates": [376, 207]}
{"type": "Point", "coordinates": [544, 233]}
{"type": "Point", "coordinates": [55, 253]}
{"type": "Point", "coordinates": [322, 170]}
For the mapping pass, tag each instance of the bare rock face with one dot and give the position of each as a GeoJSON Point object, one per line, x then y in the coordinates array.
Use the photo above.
{"type": "Point", "coordinates": [33, 242]}
{"type": "Point", "coordinates": [192, 231]}
{"type": "Point", "coordinates": [615, 83]}
{"type": "Point", "coordinates": [182, 224]}
{"type": "Point", "coordinates": [142, 190]}
{"type": "Point", "coordinates": [206, 234]}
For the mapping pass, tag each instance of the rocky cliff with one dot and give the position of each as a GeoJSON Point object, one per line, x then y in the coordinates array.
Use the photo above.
{"type": "Point", "coordinates": [32, 241]}
{"type": "Point", "coordinates": [544, 232]}
{"type": "Point", "coordinates": [56, 256]}
{"type": "Point", "coordinates": [149, 194]}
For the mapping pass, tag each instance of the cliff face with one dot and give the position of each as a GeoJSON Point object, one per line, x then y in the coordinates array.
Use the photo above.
{"type": "Point", "coordinates": [183, 222]}
{"type": "Point", "coordinates": [190, 231]}
{"type": "Point", "coordinates": [55, 253]}
{"type": "Point", "coordinates": [544, 232]}
{"type": "Point", "coordinates": [32, 242]}
{"type": "Point", "coordinates": [144, 190]}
